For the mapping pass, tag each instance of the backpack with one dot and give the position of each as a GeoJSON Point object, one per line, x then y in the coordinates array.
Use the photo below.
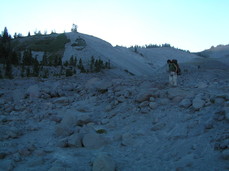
{"type": "Point", "coordinates": [172, 67]}
{"type": "Point", "coordinates": [174, 61]}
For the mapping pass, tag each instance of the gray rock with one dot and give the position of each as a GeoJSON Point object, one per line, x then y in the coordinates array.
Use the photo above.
{"type": "Point", "coordinates": [145, 96]}
{"type": "Point", "coordinates": [198, 103]}
{"type": "Point", "coordinates": [163, 101]}
{"type": "Point", "coordinates": [2, 102]}
{"type": "Point", "coordinates": [219, 101]}
{"type": "Point", "coordinates": [62, 100]}
{"type": "Point", "coordinates": [103, 162]}
{"type": "Point", "coordinates": [153, 105]}
{"type": "Point", "coordinates": [33, 91]}
{"type": "Point", "coordinates": [152, 99]}
{"type": "Point", "coordinates": [225, 154]}
{"type": "Point", "coordinates": [7, 165]}
{"type": "Point", "coordinates": [175, 92]}
{"type": "Point", "coordinates": [127, 139]}
{"type": "Point", "coordinates": [74, 141]}
{"type": "Point", "coordinates": [121, 99]}
{"type": "Point", "coordinates": [185, 103]}
{"type": "Point", "coordinates": [93, 141]}
{"type": "Point", "coordinates": [227, 113]}
{"type": "Point", "coordinates": [158, 126]}
{"type": "Point", "coordinates": [226, 104]}
{"type": "Point", "coordinates": [144, 104]}
{"type": "Point", "coordinates": [63, 130]}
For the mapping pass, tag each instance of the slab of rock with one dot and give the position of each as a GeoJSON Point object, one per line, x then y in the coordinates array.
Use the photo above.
{"type": "Point", "coordinates": [93, 141]}
{"type": "Point", "coordinates": [198, 103]}
{"type": "Point", "coordinates": [103, 163]}
{"type": "Point", "coordinates": [185, 103]}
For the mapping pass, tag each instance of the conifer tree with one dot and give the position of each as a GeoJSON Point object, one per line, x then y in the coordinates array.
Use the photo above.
{"type": "Point", "coordinates": [44, 61]}
{"type": "Point", "coordinates": [35, 68]}
{"type": "Point", "coordinates": [8, 70]}
{"type": "Point", "coordinates": [92, 63]}
{"type": "Point", "coordinates": [81, 67]}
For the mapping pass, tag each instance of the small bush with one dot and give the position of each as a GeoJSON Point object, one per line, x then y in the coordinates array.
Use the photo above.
{"type": "Point", "coordinates": [69, 73]}
{"type": "Point", "coordinates": [101, 131]}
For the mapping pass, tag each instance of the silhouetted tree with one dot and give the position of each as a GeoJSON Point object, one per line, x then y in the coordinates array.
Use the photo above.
{"type": "Point", "coordinates": [35, 68]}
{"type": "Point", "coordinates": [14, 58]}
{"type": "Point", "coordinates": [92, 64]}
{"type": "Point", "coordinates": [8, 70]}
{"type": "Point", "coordinates": [81, 67]}
{"type": "Point", "coordinates": [27, 57]}
{"type": "Point", "coordinates": [44, 61]}
{"type": "Point", "coordinates": [5, 46]}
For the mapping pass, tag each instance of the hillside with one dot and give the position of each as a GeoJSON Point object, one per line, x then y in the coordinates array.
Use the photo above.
{"type": "Point", "coordinates": [143, 63]}
{"type": "Point", "coordinates": [81, 46]}
{"type": "Point", "coordinates": [127, 118]}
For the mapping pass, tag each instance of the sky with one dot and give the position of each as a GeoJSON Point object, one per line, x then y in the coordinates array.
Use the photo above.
{"type": "Point", "coordinates": [193, 25]}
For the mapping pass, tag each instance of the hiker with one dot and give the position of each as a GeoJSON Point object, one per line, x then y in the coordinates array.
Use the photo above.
{"type": "Point", "coordinates": [172, 69]}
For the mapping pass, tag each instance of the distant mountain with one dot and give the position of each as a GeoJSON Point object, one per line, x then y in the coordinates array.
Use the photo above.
{"type": "Point", "coordinates": [216, 52]}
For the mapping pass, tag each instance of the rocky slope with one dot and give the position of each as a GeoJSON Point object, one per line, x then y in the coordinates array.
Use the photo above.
{"type": "Point", "coordinates": [107, 122]}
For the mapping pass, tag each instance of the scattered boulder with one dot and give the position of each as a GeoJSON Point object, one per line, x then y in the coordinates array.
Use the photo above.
{"type": "Point", "coordinates": [127, 139]}
{"type": "Point", "coordinates": [227, 113]}
{"type": "Point", "coordinates": [143, 96]}
{"type": "Point", "coordinates": [75, 141]}
{"type": "Point", "coordinates": [153, 105]}
{"type": "Point", "coordinates": [62, 100]}
{"type": "Point", "coordinates": [225, 154]}
{"type": "Point", "coordinates": [185, 103]}
{"type": "Point", "coordinates": [93, 141]}
{"type": "Point", "coordinates": [7, 165]}
{"type": "Point", "coordinates": [176, 92]}
{"type": "Point", "coordinates": [163, 101]}
{"type": "Point", "coordinates": [158, 126]}
{"type": "Point", "coordinates": [33, 91]}
{"type": "Point", "coordinates": [103, 162]}
{"type": "Point", "coordinates": [198, 103]}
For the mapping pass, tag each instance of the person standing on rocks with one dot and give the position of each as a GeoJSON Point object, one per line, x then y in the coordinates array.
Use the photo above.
{"type": "Point", "coordinates": [172, 69]}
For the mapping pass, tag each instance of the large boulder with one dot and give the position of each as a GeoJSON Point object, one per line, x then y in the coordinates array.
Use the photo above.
{"type": "Point", "coordinates": [103, 162]}
{"type": "Point", "coordinates": [177, 92]}
{"type": "Point", "coordinates": [93, 140]}
{"type": "Point", "coordinates": [97, 84]}
{"type": "Point", "coordinates": [75, 141]}
{"type": "Point", "coordinates": [227, 113]}
{"type": "Point", "coordinates": [185, 103]}
{"type": "Point", "coordinates": [33, 91]}
{"type": "Point", "coordinates": [198, 103]}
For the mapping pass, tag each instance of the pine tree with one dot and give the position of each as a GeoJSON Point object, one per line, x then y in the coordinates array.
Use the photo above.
{"type": "Point", "coordinates": [81, 67]}
{"type": "Point", "coordinates": [71, 61]}
{"type": "Point", "coordinates": [22, 70]}
{"type": "Point", "coordinates": [14, 58]}
{"type": "Point", "coordinates": [92, 64]}
{"type": "Point", "coordinates": [8, 70]}
{"type": "Point", "coordinates": [44, 61]}
{"type": "Point", "coordinates": [56, 60]}
{"type": "Point", "coordinates": [28, 72]}
{"type": "Point", "coordinates": [35, 68]}
{"type": "Point", "coordinates": [27, 57]}
{"type": "Point", "coordinates": [6, 48]}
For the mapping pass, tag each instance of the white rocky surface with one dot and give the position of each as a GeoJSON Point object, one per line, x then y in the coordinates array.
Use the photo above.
{"type": "Point", "coordinates": [110, 122]}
